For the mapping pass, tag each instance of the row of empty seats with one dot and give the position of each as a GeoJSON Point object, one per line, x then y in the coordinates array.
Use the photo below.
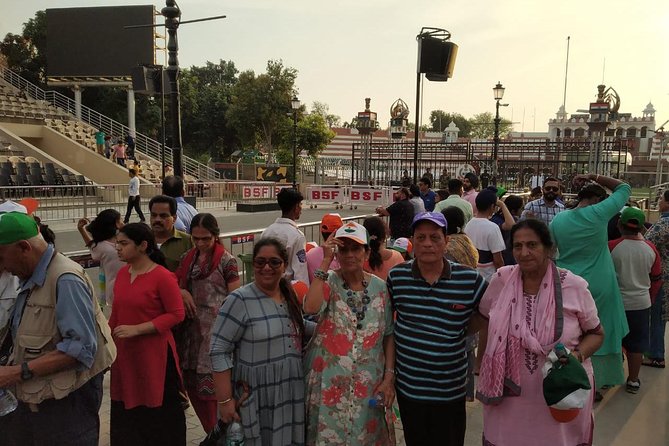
{"type": "Point", "coordinates": [78, 131]}
{"type": "Point", "coordinates": [14, 106]}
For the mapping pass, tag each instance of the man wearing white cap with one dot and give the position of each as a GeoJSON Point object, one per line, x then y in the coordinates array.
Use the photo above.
{"type": "Point", "coordinates": [434, 300]}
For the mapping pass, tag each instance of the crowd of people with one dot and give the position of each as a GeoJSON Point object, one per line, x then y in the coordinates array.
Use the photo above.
{"type": "Point", "coordinates": [463, 293]}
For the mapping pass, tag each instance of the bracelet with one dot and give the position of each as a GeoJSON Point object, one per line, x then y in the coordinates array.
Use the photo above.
{"type": "Point", "coordinates": [225, 401]}
{"type": "Point", "coordinates": [390, 371]}
{"type": "Point", "coordinates": [320, 274]}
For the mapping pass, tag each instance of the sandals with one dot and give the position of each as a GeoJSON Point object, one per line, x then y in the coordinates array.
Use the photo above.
{"type": "Point", "coordinates": [653, 362]}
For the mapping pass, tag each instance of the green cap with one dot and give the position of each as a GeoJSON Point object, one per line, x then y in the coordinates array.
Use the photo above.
{"type": "Point", "coordinates": [632, 218]}
{"type": "Point", "coordinates": [15, 226]}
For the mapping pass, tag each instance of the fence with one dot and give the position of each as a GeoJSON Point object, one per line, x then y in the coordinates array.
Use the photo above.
{"type": "Point", "coordinates": [143, 144]}
{"type": "Point", "coordinates": [517, 160]}
{"type": "Point", "coordinates": [239, 243]}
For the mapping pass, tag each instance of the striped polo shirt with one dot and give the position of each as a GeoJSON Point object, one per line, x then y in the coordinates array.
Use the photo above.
{"type": "Point", "coordinates": [432, 319]}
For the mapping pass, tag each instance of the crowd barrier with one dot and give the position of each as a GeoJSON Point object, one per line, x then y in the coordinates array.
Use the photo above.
{"type": "Point", "coordinates": [238, 243]}
{"type": "Point", "coordinates": [350, 196]}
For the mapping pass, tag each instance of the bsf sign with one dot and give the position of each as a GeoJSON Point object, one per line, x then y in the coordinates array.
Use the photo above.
{"type": "Point", "coordinates": [368, 196]}
{"type": "Point", "coordinates": [324, 195]}
{"type": "Point", "coordinates": [261, 192]}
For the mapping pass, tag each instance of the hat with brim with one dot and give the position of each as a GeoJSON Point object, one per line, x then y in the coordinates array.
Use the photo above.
{"type": "Point", "coordinates": [402, 245]}
{"type": "Point", "coordinates": [16, 226]}
{"type": "Point", "coordinates": [632, 218]}
{"type": "Point", "coordinates": [331, 222]}
{"type": "Point", "coordinates": [13, 206]}
{"type": "Point", "coordinates": [435, 217]}
{"type": "Point", "coordinates": [354, 231]}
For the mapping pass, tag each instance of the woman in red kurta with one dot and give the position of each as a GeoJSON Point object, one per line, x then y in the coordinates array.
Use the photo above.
{"type": "Point", "coordinates": [145, 379]}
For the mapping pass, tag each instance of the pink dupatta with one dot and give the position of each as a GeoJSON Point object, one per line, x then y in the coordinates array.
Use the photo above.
{"type": "Point", "coordinates": [508, 332]}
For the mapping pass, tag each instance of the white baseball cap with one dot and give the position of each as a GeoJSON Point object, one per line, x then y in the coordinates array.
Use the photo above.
{"type": "Point", "coordinates": [354, 231]}
{"type": "Point", "coordinates": [12, 206]}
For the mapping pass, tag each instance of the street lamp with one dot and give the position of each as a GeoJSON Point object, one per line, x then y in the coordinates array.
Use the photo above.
{"type": "Point", "coordinates": [498, 93]}
{"type": "Point", "coordinates": [295, 105]}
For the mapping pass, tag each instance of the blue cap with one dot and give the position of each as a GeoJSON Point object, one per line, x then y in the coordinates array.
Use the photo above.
{"type": "Point", "coordinates": [435, 217]}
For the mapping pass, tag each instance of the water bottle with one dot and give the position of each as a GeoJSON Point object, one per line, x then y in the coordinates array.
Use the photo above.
{"type": "Point", "coordinates": [8, 403]}
{"type": "Point", "coordinates": [102, 286]}
{"type": "Point", "coordinates": [234, 436]}
{"type": "Point", "coordinates": [377, 401]}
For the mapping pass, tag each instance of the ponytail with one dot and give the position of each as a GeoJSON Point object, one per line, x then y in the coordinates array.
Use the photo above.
{"type": "Point", "coordinates": [377, 235]}
{"type": "Point", "coordinates": [294, 310]}
{"type": "Point", "coordinates": [375, 259]}
{"type": "Point", "coordinates": [157, 256]}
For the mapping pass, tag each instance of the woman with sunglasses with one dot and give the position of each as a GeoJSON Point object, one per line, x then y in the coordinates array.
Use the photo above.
{"type": "Point", "coordinates": [207, 274]}
{"type": "Point", "coordinates": [350, 359]}
{"type": "Point", "coordinates": [257, 341]}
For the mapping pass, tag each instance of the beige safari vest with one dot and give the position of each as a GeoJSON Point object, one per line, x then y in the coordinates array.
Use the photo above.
{"type": "Point", "coordinates": [38, 334]}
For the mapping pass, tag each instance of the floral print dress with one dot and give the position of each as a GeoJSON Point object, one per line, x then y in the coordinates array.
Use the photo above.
{"type": "Point", "coordinates": [343, 364]}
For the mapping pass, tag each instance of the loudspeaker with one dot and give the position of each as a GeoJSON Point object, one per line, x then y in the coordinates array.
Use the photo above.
{"type": "Point", "coordinates": [146, 80]}
{"type": "Point", "coordinates": [436, 58]}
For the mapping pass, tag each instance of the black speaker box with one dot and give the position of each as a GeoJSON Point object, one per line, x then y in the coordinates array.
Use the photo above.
{"type": "Point", "coordinates": [146, 80]}
{"type": "Point", "coordinates": [436, 58]}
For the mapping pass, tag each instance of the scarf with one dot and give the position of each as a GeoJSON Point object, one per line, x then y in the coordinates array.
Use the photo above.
{"type": "Point", "coordinates": [508, 331]}
{"type": "Point", "coordinates": [184, 272]}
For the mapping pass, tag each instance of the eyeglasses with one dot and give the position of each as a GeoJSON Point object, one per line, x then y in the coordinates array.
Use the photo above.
{"type": "Point", "coordinates": [551, 188]}
{"type": "Point", "coordinates": [273, 262]}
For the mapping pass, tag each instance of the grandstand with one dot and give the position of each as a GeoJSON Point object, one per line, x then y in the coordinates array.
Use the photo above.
{"type": "Point", "coordinates": [42, 125]}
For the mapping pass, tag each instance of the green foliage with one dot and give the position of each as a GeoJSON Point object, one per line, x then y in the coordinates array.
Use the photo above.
{"type": "Point", "coordinates": [313, 135]}
{"type": "Point", "coordinates": [205, 97]}
{"type": "Point", "coordinates": [483, 126]}
{"type": "Point", "coordinates": [439, 120]}
{"type": "Point", "coordinates": [25, 53]}
{"type": "Point", "coordinates": [321, 108]}
{"type": "Point", "coordinates": [260, 104]}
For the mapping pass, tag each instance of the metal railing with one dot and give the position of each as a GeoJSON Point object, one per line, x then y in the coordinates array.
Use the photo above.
{"type": "Point", "coordinates": [237, 243]}
{"type": "Point", "coordinates": [143, 144]}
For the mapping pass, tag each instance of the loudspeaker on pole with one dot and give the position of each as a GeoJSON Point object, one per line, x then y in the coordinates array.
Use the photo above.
{"type": "Point", "coordinates": [436, 58]}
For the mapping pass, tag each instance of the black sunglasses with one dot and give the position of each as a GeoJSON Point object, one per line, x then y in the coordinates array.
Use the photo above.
{"type": "Point", "coordinates": [274, 263]}
{"type": "Point", "coordinates": [552, 188]}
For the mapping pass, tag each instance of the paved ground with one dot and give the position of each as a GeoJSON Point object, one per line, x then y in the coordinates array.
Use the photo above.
{"type": "Point", "coordinates": [620, 420]}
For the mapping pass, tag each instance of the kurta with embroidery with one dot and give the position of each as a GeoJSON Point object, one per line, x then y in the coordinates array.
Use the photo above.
{"type": "Point", "coordinates": [344, 364]}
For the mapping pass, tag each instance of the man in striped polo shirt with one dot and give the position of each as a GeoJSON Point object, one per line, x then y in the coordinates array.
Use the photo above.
{"type": "Point", "coordinates": [434, 300]}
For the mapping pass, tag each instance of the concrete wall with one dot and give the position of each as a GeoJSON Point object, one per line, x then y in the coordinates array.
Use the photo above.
{"type": "Point", "coordinates": [69, 153]}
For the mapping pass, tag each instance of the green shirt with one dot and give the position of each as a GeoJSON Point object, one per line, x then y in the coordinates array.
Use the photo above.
{"type": "Point", "coordinates": [174, 248]}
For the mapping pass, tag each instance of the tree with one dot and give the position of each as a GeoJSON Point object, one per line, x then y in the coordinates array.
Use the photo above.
{"type": "Point", "coordinates": [206, 93]}
{"type": "Point", "coordinates": [260, 104]}
{"type": "Point", "coordinates": [25, 53]}
{"type": "Point", "coordinates": [323, 109]}
{"type": "Point", "coordinates": [439, 120]}
{"type": "Point", "coordinates": [483, 126]}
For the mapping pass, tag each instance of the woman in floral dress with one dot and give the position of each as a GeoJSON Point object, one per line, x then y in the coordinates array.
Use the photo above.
{"type": "Point", "coordinates": [207, 274]}
{"type": "Point", "coordinates": [351, 357]}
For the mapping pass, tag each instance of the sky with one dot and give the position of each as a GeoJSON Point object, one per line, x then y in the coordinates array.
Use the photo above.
{"type": "Point", "coordinates": [347, 50]}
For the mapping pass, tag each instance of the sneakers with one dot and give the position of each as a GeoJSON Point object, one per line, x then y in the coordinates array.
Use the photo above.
{"type": "Point", "coordinates": [633, 386]}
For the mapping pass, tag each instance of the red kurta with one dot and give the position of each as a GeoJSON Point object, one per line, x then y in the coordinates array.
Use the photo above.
{"type": "Point", "coordinates": [138, 374]}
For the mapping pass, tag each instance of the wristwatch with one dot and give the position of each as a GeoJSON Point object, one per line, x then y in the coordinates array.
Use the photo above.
{"type": "Point", "coordinates": [26, 373]}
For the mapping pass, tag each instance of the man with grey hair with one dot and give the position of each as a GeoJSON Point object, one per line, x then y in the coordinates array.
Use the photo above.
{"type": "Point", "coordinates": [60, 344]}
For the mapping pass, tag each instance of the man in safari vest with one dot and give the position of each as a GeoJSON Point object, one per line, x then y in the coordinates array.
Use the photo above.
{"type": "Point", "coordinates": [60, 343]}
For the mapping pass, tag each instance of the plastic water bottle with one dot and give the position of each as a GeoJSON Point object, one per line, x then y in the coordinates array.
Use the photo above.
{"type": "Point", "coordinates": [8, 403]}
{"type": "Point", "coordinates": [234, 436]}
{"type": "Point", "coordinates": [377, 401]}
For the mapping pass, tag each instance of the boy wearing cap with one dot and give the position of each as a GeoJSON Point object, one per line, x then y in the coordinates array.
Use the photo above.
{"type": "Point", "coordinates": [329, 224]}
{"type": "Point", "coordinates": [638, 268]}
{"type": "Point", "coordinates": [61, 343]}
{"type": "Point", "coordinates": [434, 300]}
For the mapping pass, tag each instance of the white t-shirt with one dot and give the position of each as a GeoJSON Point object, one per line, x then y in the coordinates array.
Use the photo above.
{"type": "Point", "coordinates": [488, 240]}
{"type": "Point", "coordinates": [633, 260]}
{"type": "Point", "coordinates": [286, 230]}
{"type": "Point", "coordinates": [105, 253]}
{"type": "Point", "coordinates": [133, 187]}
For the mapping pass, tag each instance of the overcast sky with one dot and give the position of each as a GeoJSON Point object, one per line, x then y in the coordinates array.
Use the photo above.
{"type": "Point", "coordinates": [347, 50]}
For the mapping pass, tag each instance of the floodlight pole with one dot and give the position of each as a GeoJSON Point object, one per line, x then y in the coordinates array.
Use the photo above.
{"type": "Point", "coordinates": [172, 14]}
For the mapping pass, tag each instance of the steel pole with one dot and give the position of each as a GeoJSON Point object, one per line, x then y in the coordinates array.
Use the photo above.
{"type": "Point", "coordinates": [295, 149]}
{"type": "Point", "coordinates": [172, 15]}
{"type": "Point", "coordinates": [495, 149]}
{"type": "Point", "coordinates": [415, 136]}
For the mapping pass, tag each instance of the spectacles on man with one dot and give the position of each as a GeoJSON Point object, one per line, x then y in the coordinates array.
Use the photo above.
{"type": "Point", "coordinates": [551, 188]}
{"type": "Point", "coordinates": [273, 262]}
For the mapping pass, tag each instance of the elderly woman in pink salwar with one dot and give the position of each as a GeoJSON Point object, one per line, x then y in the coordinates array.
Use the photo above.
{"type": "Point", "coordinates": [527, 309]}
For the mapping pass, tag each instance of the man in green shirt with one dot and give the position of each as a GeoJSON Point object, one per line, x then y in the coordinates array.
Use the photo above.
{"type": "Point", "coordinates": [171, 242]}
{"type": "Point", "coordinates": [100, 141]}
